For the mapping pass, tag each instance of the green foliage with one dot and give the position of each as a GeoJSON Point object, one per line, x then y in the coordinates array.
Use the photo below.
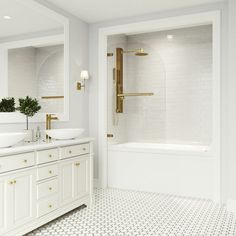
{"type": "Point", "coordinates": [29, 106]}
{"type": "Point", "coordinates": [7, 105]}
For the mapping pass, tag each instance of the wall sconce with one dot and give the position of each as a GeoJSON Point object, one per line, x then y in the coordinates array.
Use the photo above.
{"type": "Point", "coordinates": [84, 75]}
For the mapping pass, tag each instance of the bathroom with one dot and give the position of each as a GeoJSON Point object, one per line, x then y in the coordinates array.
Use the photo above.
{"type": "Point", "coordinates": [117, 121]}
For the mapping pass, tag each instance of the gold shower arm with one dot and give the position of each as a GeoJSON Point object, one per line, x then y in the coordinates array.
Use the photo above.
{"type": "Point", "coordinates": [134, 94]}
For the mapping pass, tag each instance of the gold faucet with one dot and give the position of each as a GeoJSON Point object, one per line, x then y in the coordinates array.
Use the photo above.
{"type": "Point", "coordinates": [49, 118]}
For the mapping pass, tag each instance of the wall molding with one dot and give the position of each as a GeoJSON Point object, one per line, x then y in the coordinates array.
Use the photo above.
{"type": "Point", "coordinates": [96, 183]}
{"type": "Point", "coordinates": [231, 205]}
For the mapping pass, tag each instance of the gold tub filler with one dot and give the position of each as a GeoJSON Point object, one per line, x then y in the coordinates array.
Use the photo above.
{"type": "Point", "coordinates": [118, 73]}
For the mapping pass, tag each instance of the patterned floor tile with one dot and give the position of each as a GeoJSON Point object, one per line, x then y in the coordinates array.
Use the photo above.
{"type": "Point", "coordinates": [129, 213]}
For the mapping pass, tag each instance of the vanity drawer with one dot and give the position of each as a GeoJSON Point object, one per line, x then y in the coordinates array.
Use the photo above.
{"type": "Point", "coordinates": [18, 161]}
{"type": "Point", "coordinates": [47, 188]}
{"type": "Point", "coordinates": [47, 205]}
{"type": "Point", "coordinates": [47, 172]}
{"type": "Point", "coordinates": [75, 150]}
{"type": "Point", "coordinates": [49, 155]}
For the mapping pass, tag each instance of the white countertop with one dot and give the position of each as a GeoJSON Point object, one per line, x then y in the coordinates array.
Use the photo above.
{"type": "Point", "coordinates": [33, 146]}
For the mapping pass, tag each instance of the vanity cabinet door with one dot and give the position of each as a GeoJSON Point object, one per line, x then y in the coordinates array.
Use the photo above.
{"type": "Point", "coordinates": [21, 198]}
{"type": "Point", "coordinates": [81, 177]}
{"type": "Point", "coordinates": [74, 179]}
{"type": "Point", "coordinates": [2, 206]}
{"type": "Point", "coordinates": [67, 182]}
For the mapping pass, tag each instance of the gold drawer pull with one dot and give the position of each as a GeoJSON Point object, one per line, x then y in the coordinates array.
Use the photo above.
{"type": "Point", "coordinates": [50, 188]}
{"type": "Point", "coordinates": [50, 172]}
{"type": "Point", "coordinates": [70, 152]}
{"type": "Point", "coordinates": [12, 182]}
{"type": "Point", "coordinates": [50, 155]}
{"type": "Point", "coordinates": [77, 164]}
{"type": "Point", "coordinates": [50, 206]}
{"type": "Point", "coordinates": [25, 161]}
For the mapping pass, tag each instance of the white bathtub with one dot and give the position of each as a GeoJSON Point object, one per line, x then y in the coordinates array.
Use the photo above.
{"type": "Point", "coordinates": [159, 147]}
{"type": "Point", "coordinates": [186, 170]}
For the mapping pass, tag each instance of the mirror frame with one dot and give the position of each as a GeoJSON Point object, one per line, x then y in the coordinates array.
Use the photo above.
{"type": "Point", "coordinates": [17, 117]}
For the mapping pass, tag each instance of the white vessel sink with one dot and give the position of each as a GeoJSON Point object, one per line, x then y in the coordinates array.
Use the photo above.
{"type": "Point", "coordinates": [64, 134]}
{"type": "Point", "coordinates": [10, 139]}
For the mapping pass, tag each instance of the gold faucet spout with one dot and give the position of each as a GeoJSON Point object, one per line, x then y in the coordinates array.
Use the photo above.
{"type": "Point", "coordinates": [49, 118]}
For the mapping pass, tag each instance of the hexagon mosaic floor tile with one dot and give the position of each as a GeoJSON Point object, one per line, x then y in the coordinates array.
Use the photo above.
{"type": "Point", "coordinates": [129, 213]}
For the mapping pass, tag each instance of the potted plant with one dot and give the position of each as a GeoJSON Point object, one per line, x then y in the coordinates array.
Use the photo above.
{"type": "Point", "coordinates": [7, 105]}
{"type": "Point", "coordinates": [29, 107]}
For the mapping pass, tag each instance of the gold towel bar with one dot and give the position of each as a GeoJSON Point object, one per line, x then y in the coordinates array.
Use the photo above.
{"type": "Point", "coordinates": [134, 94]}
{"type": "Point", "coordinates": [52, 97]}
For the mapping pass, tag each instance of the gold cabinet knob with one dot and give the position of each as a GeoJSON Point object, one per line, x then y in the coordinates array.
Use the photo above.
{"type": "Point", "coordinates": [50, 155]}
{"type": "Point", "coordinates": [77, 164]}
{"type": "Point", "coordinates": [12, 182]}
{"type": "Point", "coordinates": [50, 188]}
{"type": "Point", "coordinates": [70, 152]}
{"type": "Point", "coordinates": [50, 206]}
{"type": "Point", "coordinates": [84, 149]}
{"type": "Point", "coordinates": [25, 161]}
{"type": "Point", "coordinates": [50, 172]}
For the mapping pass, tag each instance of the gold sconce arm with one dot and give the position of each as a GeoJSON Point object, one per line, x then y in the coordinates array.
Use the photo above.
{"type": "Point", "coordinates": [83, 76]}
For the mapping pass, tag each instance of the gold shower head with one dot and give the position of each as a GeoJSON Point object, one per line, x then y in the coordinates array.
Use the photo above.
{"type": "Point", "coordinates": [137, 52]}
{"type": "Point", "coordinates": [140, 52]}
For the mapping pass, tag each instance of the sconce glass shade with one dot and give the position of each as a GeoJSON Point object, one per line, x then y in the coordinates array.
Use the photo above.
{"type": "Point", "coordinates": [84, 74]}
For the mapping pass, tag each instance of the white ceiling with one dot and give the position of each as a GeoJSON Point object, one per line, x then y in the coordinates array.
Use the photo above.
{"type": "Point", "coordinates": [24, 20]}
{"type": "Point", "coordinates": [93, 11]}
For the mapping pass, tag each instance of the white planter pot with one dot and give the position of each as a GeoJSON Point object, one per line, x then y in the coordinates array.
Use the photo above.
{"type": "Point", "coordinates": [30, 135]}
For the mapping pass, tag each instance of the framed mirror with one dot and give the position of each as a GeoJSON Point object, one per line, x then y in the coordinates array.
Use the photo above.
{"type": "Point", "coordinates": [34, 58]}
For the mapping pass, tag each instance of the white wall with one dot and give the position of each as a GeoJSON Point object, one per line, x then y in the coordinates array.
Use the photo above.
{"type": "Point", "coordinates": [93, 49]}
{"type": "Point", "coordinates": [231, 101]}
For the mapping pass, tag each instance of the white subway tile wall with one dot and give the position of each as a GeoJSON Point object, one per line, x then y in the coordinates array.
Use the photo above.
{"type": "Point", "coordinates": [21, 72]}
{"type": "Point", "coordinates": [37, 72]}
{"type": "Point", "coordinates": [50, 76]}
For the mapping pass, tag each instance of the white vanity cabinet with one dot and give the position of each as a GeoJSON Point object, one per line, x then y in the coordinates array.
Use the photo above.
{"type": "Point", "coordinates": [20, 198]}
{"type": "Point", "coordinates": [43, 183]}
{"type": "Point", "coordinates": [81, 172]}
{"type": "Point", "coordinates": [3, 206]}
{"type": "Point", "coordinates": [74, 179]}
{"type": "Point", "coordinates": [17, 198]}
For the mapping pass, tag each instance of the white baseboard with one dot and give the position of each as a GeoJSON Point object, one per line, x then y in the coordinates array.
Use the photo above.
{"type": "Point", "coordinates": [95, 183]}
{"type": "Point", "coordinates": [231, 205]}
